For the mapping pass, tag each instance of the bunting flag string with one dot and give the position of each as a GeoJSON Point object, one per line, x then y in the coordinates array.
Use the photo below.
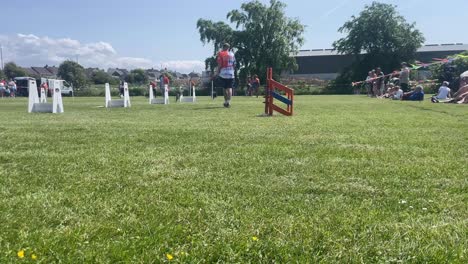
{"type": "Point", "coordinates": [418, 65]}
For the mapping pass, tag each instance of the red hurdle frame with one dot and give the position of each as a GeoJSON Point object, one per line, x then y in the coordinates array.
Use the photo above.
{"type": "Point", "coordinates": [271, 94]}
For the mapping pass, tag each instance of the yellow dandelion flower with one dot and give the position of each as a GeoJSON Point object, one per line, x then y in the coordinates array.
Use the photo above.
{"type": "Point", "coordinates": [169, 256]}
{"type": "Point", "coordinates": [254, 238]}
{"type": "Point", "coordinates": [33, 256]}
{"type": "Point", "coordinates": [21, 253]}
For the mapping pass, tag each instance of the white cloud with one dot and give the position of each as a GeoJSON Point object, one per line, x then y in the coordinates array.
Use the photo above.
{"type": "Point", "coordinates": [31, 50]}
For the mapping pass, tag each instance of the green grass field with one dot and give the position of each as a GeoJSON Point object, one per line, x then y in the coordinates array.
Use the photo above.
{"type": "Point", "coordinates": [348, 179]}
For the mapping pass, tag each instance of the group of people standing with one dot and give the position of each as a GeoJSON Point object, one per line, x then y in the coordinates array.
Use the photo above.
{"type": "Point", "coordinates": [378, 84]}
{"type": "Point", "coordinates": [7, 89]}
{"type": "Point", "coordinates": [396, 86]}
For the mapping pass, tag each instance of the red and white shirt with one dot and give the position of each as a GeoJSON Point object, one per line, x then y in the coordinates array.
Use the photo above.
{"type": "Point", "coordinates": [226, 62]}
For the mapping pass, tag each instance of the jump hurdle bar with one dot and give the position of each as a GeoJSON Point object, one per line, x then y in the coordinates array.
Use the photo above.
{"type": "Point", "coordinates": [272, 92]}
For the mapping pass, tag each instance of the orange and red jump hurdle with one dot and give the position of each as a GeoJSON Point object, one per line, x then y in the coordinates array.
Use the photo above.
{"type": "Point", "coordinates": [273, 92]}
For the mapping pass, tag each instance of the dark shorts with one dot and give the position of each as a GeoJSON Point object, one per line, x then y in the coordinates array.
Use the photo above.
{"type": "Point", "coordinates": [226, 83]}
{"type": "Point", "coordinates": [404, 87]}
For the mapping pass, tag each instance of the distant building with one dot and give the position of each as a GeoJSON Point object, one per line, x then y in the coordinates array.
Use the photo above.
{"type": "Point", "coordinates": [118, 73]}
{"type": "Point", "coordinates": [326, 64]}
{"type": "Point", "coordinates": [44, 72]}
{"type": "Point", "coordinates": [90, 71]}
{"type": "Point", "coordinates": [152, 74]}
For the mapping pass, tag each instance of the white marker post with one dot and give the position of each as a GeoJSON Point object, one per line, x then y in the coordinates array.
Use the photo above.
{"type": "Point", "coordinates": [126, 96]}
{"type": "Point", "coordinates": [37, 107]}
{"type": "Point", "coordinates": [57, 104]}
{"type": "Point", "coordinates": [43, 98]}
{"type": "Point", "coordinates": [164, 100]}
{"type": "Point", "coordinates": [33, 97]}
{"type": "Point", "coordinates": [212, 90]}
{"type": "Point", "coordinates": [151, 94]}
{"type": "Point", "coordinates": [108, 96]}
{"type": "Point", "coordinates": [192, 99]}
{"type": "Point", "coordinates": [125, 102]}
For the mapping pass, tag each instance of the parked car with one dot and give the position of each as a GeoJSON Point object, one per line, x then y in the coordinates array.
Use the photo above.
{"type": "Point", "coordinates": [23, 89]}
{"type": "Point", "coordinates": [67, 89]}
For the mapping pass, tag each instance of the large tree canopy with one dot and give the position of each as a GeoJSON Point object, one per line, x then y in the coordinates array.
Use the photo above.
{"type": "Point", "coordinates": [137, 76]}
{"type": "Point", "coordinates": [73, 73]}
{"type": "Point", "coordinates": [379, 36]}
{"type": "Point", "coordinates": [263, 37]}
{"type": "Point", "coordinates": [12, 70]}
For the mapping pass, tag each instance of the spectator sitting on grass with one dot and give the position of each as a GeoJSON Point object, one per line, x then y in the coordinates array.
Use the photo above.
{"type": "Point", "coordinates": [416, 95]}
{"type": "Point", "coordinates": [460, 97]}
{"type": "Point", "coordinates": [398, 93]}
{"type": "Point", "coordinates": [390, 91]}
{"type": "Point", "coordinates": [444, 93]}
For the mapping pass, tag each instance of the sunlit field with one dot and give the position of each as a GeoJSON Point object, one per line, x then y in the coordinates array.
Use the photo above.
{"type": "Point", "coordinates": [347, 179]}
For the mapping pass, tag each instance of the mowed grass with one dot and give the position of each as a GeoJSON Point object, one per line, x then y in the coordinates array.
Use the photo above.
{"type": "Point", "coordinates": [348, 179]}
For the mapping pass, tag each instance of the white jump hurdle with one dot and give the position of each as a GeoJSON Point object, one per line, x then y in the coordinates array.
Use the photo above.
{"type": "Point", "coordinates": [43, 98]}
{"type": "Point", "coordinates": [189, 99]}
{"type": "Point", "coordinates": [35, 106]}
{"type": "Point", "coordinates": [125, 102]}
{"type": "Point", "coordinates": [164, 100]}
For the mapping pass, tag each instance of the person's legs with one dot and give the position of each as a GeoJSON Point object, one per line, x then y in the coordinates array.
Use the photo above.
{"type": "Point", "coordinates": [227, 85]}
{"type": "Point", "coordinates": [376, 91]}
{"type": "Point", "coordinates": [406, 96]}
{"type": "Point", "coordinates": [404, 87]}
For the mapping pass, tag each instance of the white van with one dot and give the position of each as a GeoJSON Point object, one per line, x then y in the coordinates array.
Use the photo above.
{"type": "Point", "coordinates": [23, 89]}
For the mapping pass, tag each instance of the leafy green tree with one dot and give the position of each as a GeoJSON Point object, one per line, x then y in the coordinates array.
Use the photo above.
{"type": "Point", "coordinates": [137, 76]}
{"type": "Point", "coordinates": [11, 70]}
{"type": "Point", "coordinates": [378, 37]}
{"type": "Point", "coordinates": [73, 73]}
{"type": "Point", "coordinates": [2, 75]}
{"type": "Point", "coordinates": [101, 77]}
{"type": "Point", "coordinates": [263, 37]}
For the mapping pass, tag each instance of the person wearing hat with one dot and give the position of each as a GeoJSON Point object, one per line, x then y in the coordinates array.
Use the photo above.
{"type": "Point", "coordinates": [226, 63]}
{"type": "Point", "coordinates": [404, 77]}
{"type": "Point", "coordinates": [444, 92]}
{"type": "Point", "coordinates": [416, 95]}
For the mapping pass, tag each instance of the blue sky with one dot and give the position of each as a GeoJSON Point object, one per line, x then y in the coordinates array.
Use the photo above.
{"type": "Point", "coordinates": [144, 33]}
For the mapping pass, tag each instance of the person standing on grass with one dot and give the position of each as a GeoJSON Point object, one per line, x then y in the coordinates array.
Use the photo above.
{"type": "Point", "coordinates": [255, 84]}
{"type": "Point", "coordinates": [249, 86]}
{"type": "Point", "coordinates": [370, 83]}
{"type": "Point", "coordinates": [121, 89]}
{"type": "Point", "coordinates": [12, 86]}
{"type": "Point", "coordinates": [2, 89]}
{"type": "Point", "coordinates": [404, 77]}
{"type": "Point", "coordinates": [163, 80]}
{"type": "Point", "coordinates": [44, 86]}
{"type": "Point", "coordinates": [226, 62]}
{"type": "Point", "coordinates": [380, 81]}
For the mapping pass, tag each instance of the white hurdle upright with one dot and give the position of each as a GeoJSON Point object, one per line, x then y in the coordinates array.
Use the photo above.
{"type": "Point", "coordinates": [125, 102]}
{"type": "Point", "coordinates": [191, 99]}
{"type": "Point", "coordinates": [43, 98]}
{"type": "Point", "coordinates": [35, 106]}
{"type": "Point", "coordinates": [164, 100]}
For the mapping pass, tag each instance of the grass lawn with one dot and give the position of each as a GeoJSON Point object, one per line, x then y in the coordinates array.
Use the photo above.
{"type": "Point", "coordinates": [348, 179]}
